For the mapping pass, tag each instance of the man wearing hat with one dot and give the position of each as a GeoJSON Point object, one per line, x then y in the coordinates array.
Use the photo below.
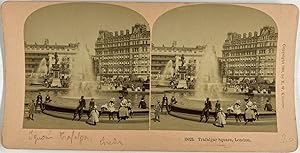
{"type": "Point", "coordinates": [80, 107]}
{"type": "Point", "coordinates": [165, 103]}
{"type": "Point", "coordinates": [205, 110]}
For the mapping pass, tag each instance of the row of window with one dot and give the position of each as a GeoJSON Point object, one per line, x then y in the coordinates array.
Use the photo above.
{"type": "Point", "coordinates": [249, 72]}
{"type": "Point", "coordinates": [50, 48]}
{"type": "Point", "coordinates": [114, 63]}
{"type": "Point", "coordinates": [245, 46]}
{"type": "Point", "coordinates": [177, 51]}
{"type": "Point", "coordinates": [109, 71]}
{"type": "Point", "coordinates": [253, 53]}
{"type": "Point", "coordinates": [127, 43]}
{"type": "Point", "coordinates": [116, 57]}
{"type": "Point", "coordinates": [253, 65]}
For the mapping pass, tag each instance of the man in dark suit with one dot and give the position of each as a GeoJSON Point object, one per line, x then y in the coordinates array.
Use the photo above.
{"type": "Point", "coordinates": [39, 100]}
{"type": "Point", "coordinates": [164, 103]}
{"type": "Point", "coordinates": [205, 110]}
{"type": "Point", "coordinates": [80, 107]}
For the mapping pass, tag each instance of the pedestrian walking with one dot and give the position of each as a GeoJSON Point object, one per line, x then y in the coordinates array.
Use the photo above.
{"type": "Point", "coordinates": [220, 122]}
{"type": "Point", "coordinates": [205, 110]}
{"type": "Point", "coordinates": [217, 109]}
{"type": "Point", "coordinates": [94, 119]}
{"type": "Point", "coordinates": [157, 110]}
{"type": "Point", "coordinates": [91, 106]}
{"type": "Point", "coordinates": [31, 107]}
{"type": "Point", "coordinates": [80, 107]}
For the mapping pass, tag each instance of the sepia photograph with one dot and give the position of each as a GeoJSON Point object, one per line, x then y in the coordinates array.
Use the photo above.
{"type": "Point", "coordinates": [87, 66]}
{"type": "Point", "coordinates": [104, 75]}
{"type": "Point", "coordinates": [213, 69]}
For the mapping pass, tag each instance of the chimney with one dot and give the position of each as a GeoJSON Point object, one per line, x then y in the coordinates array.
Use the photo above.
{"type": "Point", "coordinates": [250, 34]}
{"type": "Point", "coordinates": [122, 32]}
{"type": "Point", "coordinates": [127, 32]}
{"type": "Point", "coordinates": [244, 35]}
{"type": "Point", "coordinates": [116, 33]}
{"type": "Point", "coordinates": [255, 33]}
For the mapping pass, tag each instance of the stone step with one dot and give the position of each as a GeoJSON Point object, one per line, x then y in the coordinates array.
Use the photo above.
{"type": "Point", "coordinates": [103, 118]}
{"type": "Point", "coordinates": [229, 121]}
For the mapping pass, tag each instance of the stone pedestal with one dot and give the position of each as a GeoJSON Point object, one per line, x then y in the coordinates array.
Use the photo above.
{"type": "Point", "coordinates": [56, 76]}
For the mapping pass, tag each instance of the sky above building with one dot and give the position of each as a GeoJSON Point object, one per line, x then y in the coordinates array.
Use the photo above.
{"type": "Point", "coordinates": [206, 24]}
{"type": "Point", "coordinates": [78, 22]}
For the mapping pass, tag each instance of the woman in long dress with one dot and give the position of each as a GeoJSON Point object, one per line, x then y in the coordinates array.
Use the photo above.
{"type": "Point", "coordinates": [220, 122]}
{"type": "Point", "coordinates": [123, 110]}
{"type": "Point", "coordinates": [237, 110]}
{"type": "Point", "coordinates": [94, 119]}
{"type": "Point", "coordinates": [249, 113]}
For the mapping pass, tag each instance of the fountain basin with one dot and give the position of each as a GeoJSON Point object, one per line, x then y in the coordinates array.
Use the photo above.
{"type": "Point", "coordinates": [86, 98]}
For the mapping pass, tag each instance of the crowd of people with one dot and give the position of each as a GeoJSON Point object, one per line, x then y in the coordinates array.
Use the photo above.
{"type": "Point", "coordinates": [163, 104]}
{"type": "Point", "coordinates": [251, 113]}
{"type": "Point", "coordinates": [220, 115]}
{"type": "Point", "coordinates": [123, 112]}
{"type": "Point", "coordinates": [34, 104]}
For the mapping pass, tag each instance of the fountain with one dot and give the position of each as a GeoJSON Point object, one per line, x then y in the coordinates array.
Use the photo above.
{"type": "Point", "coordinates": [208, 82]}
{"type": "Point", "coordinates": [41, 71]}
{"type": "Point", "coordinates": [167, 73]}
{"type": "Point", "coordinates": [83, 79]}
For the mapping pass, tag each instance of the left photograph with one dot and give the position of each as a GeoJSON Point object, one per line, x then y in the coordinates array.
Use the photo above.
{"type": "Point", "coordinates": [87, 66]}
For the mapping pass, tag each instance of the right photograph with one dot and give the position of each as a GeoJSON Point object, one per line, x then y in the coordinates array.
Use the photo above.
{"type": "Point", "coordinates": [213, 69]}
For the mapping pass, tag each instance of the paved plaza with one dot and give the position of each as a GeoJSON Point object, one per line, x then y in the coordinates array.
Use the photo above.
{"type": "Point", "coordinates": [168, 122]}
{"type": "Point", "coordinates": [42, 121]}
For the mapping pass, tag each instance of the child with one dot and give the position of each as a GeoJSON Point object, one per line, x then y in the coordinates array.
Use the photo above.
{"type": "Point", "coordinates": [111, 108]}
{"type": "Point", "coordinates": [31, 107]}
{"type": "Point", "coordinates": [255, 110]}
{"type": "Point", "coordinates": [157, 109]}
{"type": "Point", "coordinates": [237, 110]}
{"type": "Point", "coordinates": [129, 106]}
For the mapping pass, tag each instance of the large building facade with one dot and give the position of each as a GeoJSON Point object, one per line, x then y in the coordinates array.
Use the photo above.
{"type": "Point", "coordinates": [250, 56]}
{"type": "Point", "coordinates": [162, 55]}
{"type": "Point", "coordinates": [42, 55]}
{"type": "Point", "coordinates": [123, 53]}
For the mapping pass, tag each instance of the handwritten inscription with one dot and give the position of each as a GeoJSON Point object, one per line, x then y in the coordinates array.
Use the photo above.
{"type": "Point", "coordinates": [39, 137]}
{"type": "Point", "coordinates": [70, 137]}
{"type": "Point", "coordinates": [104, 141]}
{"type": "Point", "coordinates": [73, 136]}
